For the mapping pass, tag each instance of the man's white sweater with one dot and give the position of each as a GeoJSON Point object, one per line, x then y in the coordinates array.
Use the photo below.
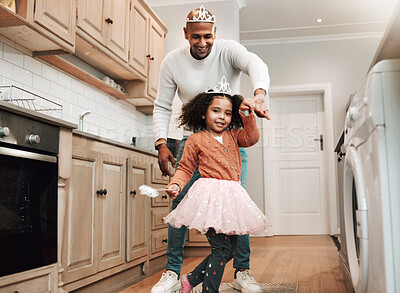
{"type": "Point", "coordinates": [182, 73]}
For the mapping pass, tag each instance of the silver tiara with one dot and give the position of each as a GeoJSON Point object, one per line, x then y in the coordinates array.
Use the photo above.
{"type": "Point", "coordinates": [221, 88]}
{"type": "Point", "coordinates": [202, 16]}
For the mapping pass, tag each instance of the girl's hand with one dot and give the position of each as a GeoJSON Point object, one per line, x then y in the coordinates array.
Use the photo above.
{"type": "Point", "coordinates": [173, 191]}
{"type": "Point", "coordinates": [247, 104]}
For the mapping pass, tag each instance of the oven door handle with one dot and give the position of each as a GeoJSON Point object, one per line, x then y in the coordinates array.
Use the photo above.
{"type": "Point", "coordinates": [27, 155]}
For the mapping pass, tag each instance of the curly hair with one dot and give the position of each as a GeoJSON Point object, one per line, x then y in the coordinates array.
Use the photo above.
{"type": "Point", "coordinates": [192, 113]}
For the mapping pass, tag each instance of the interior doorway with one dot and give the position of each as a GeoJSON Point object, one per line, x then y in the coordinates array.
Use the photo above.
{"type": "Point", "coordinates": [298, 160]}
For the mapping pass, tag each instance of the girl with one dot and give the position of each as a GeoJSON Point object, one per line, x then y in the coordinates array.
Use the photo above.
{"type": "Point", "coordinates": [216, 204]}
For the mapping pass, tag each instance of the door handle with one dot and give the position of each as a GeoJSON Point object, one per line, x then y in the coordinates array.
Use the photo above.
{"type": "Point", "coordinates": [321, 142]}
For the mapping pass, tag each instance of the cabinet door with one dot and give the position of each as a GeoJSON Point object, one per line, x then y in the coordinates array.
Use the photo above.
{"type": "Point", "coordinates": [91, 19]}
{"type": "Point", "coordinates": [117, 28]}
{"type": "Point", "coordinates": [58, 16]}
{"type": "Point", "coordinates": [156, 46]}
{"type": "Point", "coordinates": [110, 211]}
{"type": "Point", "coordinates": [196, 236]}
{"type": "Point", "coordinates": [79, 248]}
{"type": "Point", "coordinates": [139, 34]}
{"type": "Point", "coordinates": [137, 212]}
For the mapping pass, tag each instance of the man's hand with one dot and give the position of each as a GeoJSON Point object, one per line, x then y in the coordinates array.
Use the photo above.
{"type": "Point", "coordinates": [173, 191]}
{"type": "Point", "coordinates": [261, 108]}
{"type": "Point", "coordinates": [165, 156]}
{"type": "Point", "coordinates": [247, 104]}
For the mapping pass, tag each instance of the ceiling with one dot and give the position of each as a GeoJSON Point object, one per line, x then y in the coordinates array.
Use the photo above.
{"type": "Point", "coordinates": [271, 21]}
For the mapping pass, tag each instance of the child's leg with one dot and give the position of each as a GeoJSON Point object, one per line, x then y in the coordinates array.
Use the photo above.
{"type": "Point", "coordinates": [212, 267]}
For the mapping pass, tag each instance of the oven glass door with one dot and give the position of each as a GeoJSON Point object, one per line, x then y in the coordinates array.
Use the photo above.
{"type": "Point", "coordinates": [28, 211]}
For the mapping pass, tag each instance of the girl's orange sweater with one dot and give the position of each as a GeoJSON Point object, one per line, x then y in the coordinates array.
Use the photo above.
{"type": "Point", "coordinates": [216, 160]}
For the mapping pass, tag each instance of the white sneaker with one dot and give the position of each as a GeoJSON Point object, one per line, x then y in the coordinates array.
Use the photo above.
{"type": "Point", "coordinates": [245, 283]}
{"type": "Point", "coordinates": [168, 283]}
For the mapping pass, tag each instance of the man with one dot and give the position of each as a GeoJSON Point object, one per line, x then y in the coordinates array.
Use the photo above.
{"type": "Point", "coordinates": [188, 71]}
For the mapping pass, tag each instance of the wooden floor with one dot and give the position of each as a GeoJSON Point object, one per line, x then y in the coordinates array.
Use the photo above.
{"type": "Point", "coordinates": [310, 261]}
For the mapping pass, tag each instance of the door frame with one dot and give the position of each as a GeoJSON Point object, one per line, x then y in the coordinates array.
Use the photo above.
{"type": "Point", "coordinates": [325, 89]}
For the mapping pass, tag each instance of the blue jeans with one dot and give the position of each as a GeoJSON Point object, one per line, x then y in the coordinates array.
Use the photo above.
{"type": "Point", "coordinates": [176, 237]}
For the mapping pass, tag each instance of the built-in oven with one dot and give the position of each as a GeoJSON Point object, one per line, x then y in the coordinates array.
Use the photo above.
{"type": "Point", "coordinates": [28, 193]}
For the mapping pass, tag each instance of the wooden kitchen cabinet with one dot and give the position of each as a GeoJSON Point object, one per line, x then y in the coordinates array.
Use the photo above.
{"type": "Point", "coordinates": [106, 21]}
{"type": "Point", "coordinates": [95, 215]}
{"type": "Point", "coordinates": [41, 25]}
{"type": "Point", "coordinates": [139, 32]}
{"type": "Point", "coordinates": [42, 280]}
{"type": "Point", "coordinates": [138, 207]}
{"type": "Point", "coordinates": [160, 207]}
{"type": "Point", "coordinates": [102, 38]}
{"type": "Point", "coordinates": [146, 53]}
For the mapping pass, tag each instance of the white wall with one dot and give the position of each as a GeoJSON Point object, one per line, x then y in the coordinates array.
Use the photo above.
{"type": "Point", "coordinates": [341, 63]}
{"type": "Point", "coordinates": [109, 118]}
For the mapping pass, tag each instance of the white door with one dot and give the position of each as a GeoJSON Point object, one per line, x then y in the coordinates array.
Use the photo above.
{"type": "Point", "coordinates": [298, 166]}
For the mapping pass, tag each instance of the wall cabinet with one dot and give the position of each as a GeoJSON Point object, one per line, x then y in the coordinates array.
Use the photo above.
{"type": "Point", "coordinates": [139, 28]}
{"type": "Point", "coordinates": [106, 21]}
{"type": "Point", "coordinates": [41, 25]}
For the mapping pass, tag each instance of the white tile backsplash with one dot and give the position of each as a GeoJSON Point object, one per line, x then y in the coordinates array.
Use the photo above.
{"type": "Point", "coordinates": [70, 96]}
{"type": "Point", "coordinates": [32, 65]}
{"type": "Point", "coordinates": [23, 76]}
{"type": "Point", "coordinates": [6, 69]}
{"type": "Point", "coordinates": [109, 118]}
{"type": "Point", "coordinates": [41, 84]}
{"type": "Point", "coordinates": [57, 90]}
{"type": "Point", "coordinates": [13, 56]}
{"type": "Point", "coordinates": [64, 80]}
{"type": "Point", "coordinates": [49, 73]}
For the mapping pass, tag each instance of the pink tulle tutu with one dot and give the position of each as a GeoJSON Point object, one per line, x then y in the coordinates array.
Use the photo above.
{"type": "Point", "coordinates": [220, 204]}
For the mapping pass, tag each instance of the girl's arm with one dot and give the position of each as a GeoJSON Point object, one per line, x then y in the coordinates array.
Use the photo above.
{"type": "Point", "coordinates": [186, 167]}
{"type": "Point", "coordinates": [250, 134]}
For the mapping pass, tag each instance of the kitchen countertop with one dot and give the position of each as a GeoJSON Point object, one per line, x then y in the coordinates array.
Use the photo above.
{"type": "Point", "coordinates": [114, 142]}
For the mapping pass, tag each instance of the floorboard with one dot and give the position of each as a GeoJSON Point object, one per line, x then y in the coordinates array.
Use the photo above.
{"type": "Point", "coordinates": [310, 261]}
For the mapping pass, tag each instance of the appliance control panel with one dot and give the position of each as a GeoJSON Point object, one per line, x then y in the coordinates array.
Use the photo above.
{"type": "Point", "coordinates": [28, 133]}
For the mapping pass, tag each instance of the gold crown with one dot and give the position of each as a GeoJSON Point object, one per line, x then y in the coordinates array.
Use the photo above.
{"type": "Point", "coordinates": [202, 15]}
{"type": "Point", "coordinates": [221, 88]}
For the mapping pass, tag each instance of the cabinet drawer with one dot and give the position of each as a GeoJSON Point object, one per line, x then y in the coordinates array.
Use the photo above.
{"type": "Point", "coordinates": [157, 216]}
{"type": "Point", "coordinates": [159, 240]}
{"type": "Point", "coordinates": [156, 175]}
{"type": "Point", "coordinates": [43, 281]}
{"type": "Point", "coordinates": [195, 236]}
{"type": "Point", "coordinates": [160, 201]}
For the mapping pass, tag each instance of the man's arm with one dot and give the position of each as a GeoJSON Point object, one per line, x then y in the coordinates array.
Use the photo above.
{"type": "Point", "coordinates": [162, 116]}
{"type": "Point", "coordinates": [252, 65]}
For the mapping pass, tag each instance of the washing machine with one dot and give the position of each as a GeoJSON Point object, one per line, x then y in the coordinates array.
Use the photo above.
{"type": "Point", "coordinates": [371, 181]}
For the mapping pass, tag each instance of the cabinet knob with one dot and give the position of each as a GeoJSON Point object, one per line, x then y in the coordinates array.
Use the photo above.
{"type": "Point", "coordinates": [109, 20]}
{"type": "Point", "coordinates": [148, 56]}
{"type": "Point", "coordinates": [165, 241]}
{"type": "Point", "coordinates": [133, 192]}
{"type": "Point", "coordinates": [101, 192]}
{"type": "Point", "coordinates": [152, 58]}
{"type": "Point", "coordinates": [164, 197]}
